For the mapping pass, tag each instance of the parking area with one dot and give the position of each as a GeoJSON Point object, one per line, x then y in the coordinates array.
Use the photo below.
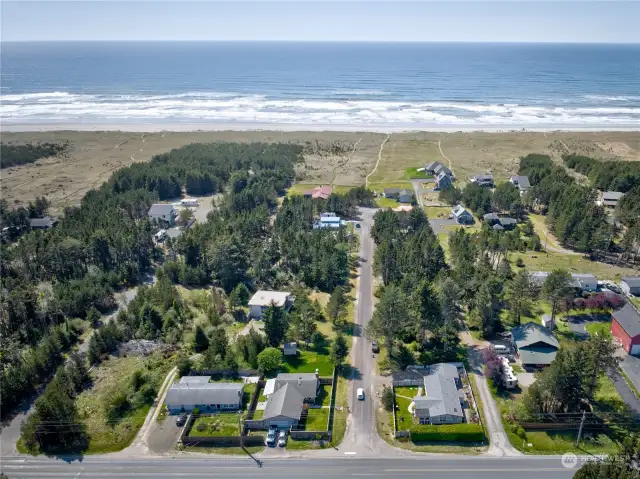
{"type": "Point", "coordinates": [164, 435]}
{"type": "Point", "coordinates": [438, 224]}
{"type": "Point", "coordinates": [201, 211]}
{"type": "Point", "coordinates": [578, 324]}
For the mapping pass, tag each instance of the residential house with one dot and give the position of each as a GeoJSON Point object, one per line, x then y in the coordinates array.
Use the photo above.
{"type": "Point", "coordinates": [483, 180]}
{"type": "Point", "coordinates": [290, 349]}
{"type": "Point", "coordinates": [440, 168]}
{"type": "Point", "coordinates": [535, 345]}
{"type": "Point", "coordinates": [306, 384]}
{"type": "Point", "coordinates": [462, 216]}
{"type": "Point", "coordinates": [441, 403]}
{"type": "Point", "coordinates": [610, 198]}
{"type": "Point", "coordinates": [328, 220]}
{"type": "Point", "coordinates": [402, 195]}
{"type": "Point", "coordinates": [498, 222]}
{"type": "Point", "coordinates": [284, 408]}
{"type": "Point", "coordinates": [625, 326]}
{"type": "Point", "coordinates": [260, 301]}
{"type": "Point", "coordinates": [583, 282]}
{"type": "Point", "coordinates": [197, 392]}
{"type": "Point", "coordinates": [45, 223]}
{"type": "Point", "coordinates": [443, 181]}
{"type": "Point", "coordinates": [162, 213]}
{"type": "Point", "coordinates": [631, 285]}
{"type": "Point", "coordinates": [522, 183]}
{"type": "Point", "coordinates": [322, 192]}
{"type": "Point", "coordinates": [430, 169]}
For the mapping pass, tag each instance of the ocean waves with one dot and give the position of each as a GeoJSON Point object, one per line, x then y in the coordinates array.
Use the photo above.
{"type": "Point", "coordinates": [344, 107]}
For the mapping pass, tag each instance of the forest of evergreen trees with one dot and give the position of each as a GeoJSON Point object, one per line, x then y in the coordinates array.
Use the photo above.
{"type": "Point", "coordinates": [12, 154]}
{"type": "Point", "coordinates": [606, 175]}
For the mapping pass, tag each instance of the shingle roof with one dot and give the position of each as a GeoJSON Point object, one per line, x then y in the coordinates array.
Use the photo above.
{"type": "Point", "coordinates": [433, 165]}
{"type": "Point", "coordinates": [506, 221]}
{"type": "Point", "coordinates": [632, 281]}
{"type": "Point", "coordinates": [521, 181]}
{"type": "Point", "coordinates": [46, 222]}
{"type": "Point", "coordinates": [305, 383]}
{"type": "Point", "coordinates": [442, 169]}
{"type": "Point", "coordinates": [184, 393]}
{"type": "Point", "coordinates": [265, 298]}
{"type": "Point", "coordinates": [534, 355]}
{"type": "Point", "coordinates": [530, 334]}
{"type": "Point", "coordinates": [160, 209]}
{"type": "Point", "coordinates": [612, 195]}
{"type": "Point", "coordinates": [441, 393]}
{"type": "Point", "coordinates": [629, 319]}
{"type": "Point", "coordinates": [286, 402]}
{"type": "Point", "coordinates": [405, 192]}
{"type": "Point", "coordinates": [459, 210]}
{"type": "Point", "coordinates": [195, 379]}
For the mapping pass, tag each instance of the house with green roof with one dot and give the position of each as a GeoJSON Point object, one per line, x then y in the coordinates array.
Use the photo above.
{"type": "Point", "coordinates": [535, 345]}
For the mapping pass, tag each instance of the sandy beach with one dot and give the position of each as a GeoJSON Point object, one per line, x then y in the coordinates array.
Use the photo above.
{"type": "Point", "coordinates": [95, 153]}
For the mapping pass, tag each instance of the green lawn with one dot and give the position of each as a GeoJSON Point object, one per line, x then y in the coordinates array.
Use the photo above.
{"type": "Point", "coordinates": [307, 362]}
{"type": "Point", "coordinates": [413, 173]}
{"type": "Point", "coordinates": [324, 397]}
{"type": "Point", "coordinates": [559, 442]}
{"type": "Point", "coordinates": [435, 212]}
{"type": "Point", "coordinates": [386, 202]}
{"type": "Point", "coordinates": [225, 424]}
{"type": "Point", "coordinates": [317, 420]}
{"type": "Point", "coordinates": [600, 329]}
{"type": "Point", "coordinates": [404, 397]}
{"type": "Point", "coordinates": [258, 414]}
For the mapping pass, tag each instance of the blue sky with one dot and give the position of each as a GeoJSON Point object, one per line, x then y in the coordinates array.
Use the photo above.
{"type": "Point", "coordinates": [305, 20]}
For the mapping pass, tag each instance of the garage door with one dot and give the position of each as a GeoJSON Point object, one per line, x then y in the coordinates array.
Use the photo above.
{"type": "Point", "coordinates": [635, 349]}
{"type": "Point", "coordinates": [280, 424]}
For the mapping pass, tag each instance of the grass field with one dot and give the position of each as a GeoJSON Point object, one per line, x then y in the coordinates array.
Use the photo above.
{"type": "Point", "coordinates": [405, 151]}
{"type": "Point", "coordinates": [225, 424]}
{"type": "Point", "coordinates": [414, 174]}
{"type": "Point", "coordinates": [404, 397]}
{"type": "Point", "coordinates": [435, 212]}
{"type": "Point", "coordinates": [307, 362]}
{"type": "Point", "coordinates": [317, 420]}
{"type": "Point", "coordinates": [600, 329]}
{"type": "Point", "coordinates": [107, 435]}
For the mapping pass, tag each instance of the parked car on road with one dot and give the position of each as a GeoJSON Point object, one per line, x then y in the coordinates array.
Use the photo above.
{"type": "Point", "coordinates": [360, 394]}
{"type": "Point", "coordinates": [181, 420]}
{"type": "Point", "coordinates": [282, 439]}
{"type": "Point", "coordinates": [374, 346]}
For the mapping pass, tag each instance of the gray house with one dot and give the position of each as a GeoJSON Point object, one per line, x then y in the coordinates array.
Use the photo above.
{"type": "Point", "coordinates": [260, 301]}
{"type": "Point", "coordinates": [402, 195]}
{"type": "Point", "coordinates": [45, 223]}
{"type": "Point", "coordinates": [462, 216]}
{"type": "Point", "coordinates": [441, 403]}
{"type": "Point", "coordinates": [430, 169]}
{"type": "Point", "coordinates": [306, 384]}
{"type": "Point", "coordinates": [485, 179]}
{"type": "Point", "coordinates": [443, 181]}
{"type": "Point", "coordinates": [611, 198]}
{"type": "Point", "coordinates": [440, 168]}
{"type": "Point", "coordinates": [284, 407]}
{"type": "Point", "coordinates": [522, 183]}
{"type": "Point", "coordinates": [631, 285]}
{"type": "Point", "coordinates": [197, 391]}
{"type": "Point", "coordinates": [162, 213]}
{"type": "Point", "coordinates": [535, 345]}
{"type": "Point", "coordinates": [498, 222]}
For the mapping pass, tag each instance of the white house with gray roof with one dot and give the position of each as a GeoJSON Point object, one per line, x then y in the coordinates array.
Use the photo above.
{"type": "Point", "coordinates": [197, 392]}
{"type": "Point", "coordinates": [441, 402]}
{"type": "Point", "coordinates": [162, 213]}
{"type": "Point", "coordinates": [260, 301]}
{"type": "Point", "coordinates": [284, 407]}
{"type": "Point", "coordinates": [306, 384]}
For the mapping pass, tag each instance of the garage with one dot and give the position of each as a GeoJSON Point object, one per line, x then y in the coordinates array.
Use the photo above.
{"type": "Point", "coordinates": [625, 327]}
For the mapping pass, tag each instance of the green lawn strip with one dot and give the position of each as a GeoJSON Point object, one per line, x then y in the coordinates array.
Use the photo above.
{"type": "Point", "coordinates": [479, 404]}
{"type": "Point", "coordinates": [235, 451]}
{"type": "Point", "coordinates": [600, 329]}
{"type": "Point", "coordinates": [225, 424]}
{"type": "Point", "coordinates": [340, 412]}
{"type": "Point", "coordinates": [307, 361]}
{"type": "Point", "coordinates": [300, 188]}
{"type": "Point", "coordinates": [258, 414]}
{"type": "Point", "coordinates": [414, 174]}
{"type": "Point", "coordinates": [438, 212]}
{"type": "Point", "coordinates": [404, 397]}
{"type": "Point", "coordinates": [324, 396]}
{"type": "Point", "coordinates": [317, 419]}
{"type": "Point", "coordinates": [383, 202]}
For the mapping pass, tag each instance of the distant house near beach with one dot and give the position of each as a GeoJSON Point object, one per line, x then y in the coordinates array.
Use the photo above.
{"type": "Point", "coordinates": [610, 198]}
{"type": "Point", "coordinates": [522, 183]}
{"type": "Point", "coordinates": [319, 192]}
{"type": "Point", "coordinates": [485, 179]}
{"type": "Point", "coordinates": [443, 181]}
{"type": "Point", "coordinates": [45, 223]}
{"type": "Point", "coordinates": [399, 194]}
{"type": "Point", "coordinates": [462, 216]}
{"type": "Point", "coordinates": [162, 213]}
{"type": "Point", "coordinates": [498, 222]}
{"type": "Point", "coordinates": [260, 301]}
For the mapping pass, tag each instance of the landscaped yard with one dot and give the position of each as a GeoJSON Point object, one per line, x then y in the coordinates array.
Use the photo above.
{"type": "Point", "coordinates": [317, 420]}
{"type": "Point", "coordinates": [324, 396]}
{"type": "Point", "coordinates": [383, 202]}
{"type": "Point", "coordinates": [307, 362]}
{"type": "Point", "coordinates": [599, 328]}
{"type": "Point", "coordinates": [404, 397]}
{"type": "Point", "coordinates": [224, 424]}
{"type": "Point", "coordinates": [258, 414]}
{"type": "Point", "coordinates": [413, 173]}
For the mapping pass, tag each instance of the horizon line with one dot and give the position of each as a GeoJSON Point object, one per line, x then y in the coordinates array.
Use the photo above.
{"type": "Point", "coordinates": [466, 42]}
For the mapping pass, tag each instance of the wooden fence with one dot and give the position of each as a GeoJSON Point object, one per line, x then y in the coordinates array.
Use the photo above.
{"type": "Point", "coordinates": [223, 441]}
{"type": "Point", "coordinates": [310, 435]}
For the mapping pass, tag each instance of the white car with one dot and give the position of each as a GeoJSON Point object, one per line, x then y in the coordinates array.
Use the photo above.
{"type": "Point", "coordinates": [360, 394]}
{"type": "Point", "coordinates": [282, 439]}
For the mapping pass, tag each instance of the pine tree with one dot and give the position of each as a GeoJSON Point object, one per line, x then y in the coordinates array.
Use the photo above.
{"type": "Point", "coordinates": [519, 295]}
{"type": "Point", "coordinates": [200, 340]}
{"type": "Point", "coordinates": [275, 325]}
{"type": "Point", "coordinates": [94, 351]}
{"type": "Point", "coordinates": [336, 305]}
{"type": "Point", "coordinates": [339, 350]}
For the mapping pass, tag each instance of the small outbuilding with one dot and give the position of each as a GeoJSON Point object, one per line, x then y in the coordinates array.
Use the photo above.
{"type": "Point", "coordinates": [631, 285]}
{"type": "Point", "coordinates": [290, 349]}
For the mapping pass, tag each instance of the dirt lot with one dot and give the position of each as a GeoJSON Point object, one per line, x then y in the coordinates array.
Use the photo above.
{"type": "Point", "coordinates": [94, 155]}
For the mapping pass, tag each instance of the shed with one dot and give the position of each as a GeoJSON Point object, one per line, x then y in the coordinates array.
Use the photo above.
{"type": "Point", "coordinates": [45, 223]}
{"type": "Point", "coordinates": [290, 349]}
{"type": "Point", "coordinates": [631, 285]}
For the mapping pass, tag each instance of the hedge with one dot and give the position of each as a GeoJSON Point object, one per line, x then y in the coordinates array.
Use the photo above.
{"type": "Point", "coordinates": [448, 433]}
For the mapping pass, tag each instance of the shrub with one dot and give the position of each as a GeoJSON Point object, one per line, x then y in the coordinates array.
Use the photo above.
{"type": "Point", "coordinates": [387, 399]}
{"type": "Point", "coordinates": [196, 411]}
{"type": "Point", "coordinates": [201, 427]}
{"type": "Point", "coordinates": [520, 263]}
{"type": "Point", "coordinates": [447, 433]}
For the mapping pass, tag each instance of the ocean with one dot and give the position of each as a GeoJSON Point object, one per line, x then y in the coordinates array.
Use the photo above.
{"type": "Point", "coordinates": [378, 86]}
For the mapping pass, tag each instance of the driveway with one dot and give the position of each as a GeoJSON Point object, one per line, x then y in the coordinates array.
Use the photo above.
{"type": "Point", "coordinates": [438, 225]}
{"type": "Point", "coordinates": [579, 324]}
{"type": "Point", "coordinates": [631, 367]}
{"type": "Point", "coordinates": [165, 435]}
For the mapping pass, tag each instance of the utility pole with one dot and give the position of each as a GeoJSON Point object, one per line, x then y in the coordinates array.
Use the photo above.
{"type": "Point", "coordinates": [584, 416]}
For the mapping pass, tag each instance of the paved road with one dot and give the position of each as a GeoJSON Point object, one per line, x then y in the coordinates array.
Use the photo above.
{"type": "Point", "coordinates": [460, 467]}
{"type": "Point", "coordinates": [631, 367]}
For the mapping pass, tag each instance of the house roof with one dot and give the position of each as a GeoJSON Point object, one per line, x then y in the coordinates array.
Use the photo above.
{"type": "Point", "coordinates": [286, 402]}
{"type": "Point", "coordinates": [632, 281]}
{"type": "Point", "coordinates": [442, 175]}
{"type": "Point", "coordinates": [612, 195]}
{"type": "Point", "coordinates": [46, 222]}
{"type": "Point", "coordinates": [629, 319]}
{"type": "Point", "coordinates": [506, 221]}
{"type": "Point", "coordinates": [204, 393]}
{"type": "Point", "coordinates": [265, 298]}
{"type": "Point", "coordinates": [498, 227]}
{"type": "Point", "coordinates": [323, 192]}
{"type": "Point", "coordinates": [195, 379]}
{"type": "Point", "coordinates": [305, 383]}
{"type": "Point", "coordinates": [174, 233]}
{"type": "Point", "coordinates": [441, 393]}
{"type": "Point", "coordinates": [405, 192]}
{"type": "Point", "coordinates": [433, 165]}
{"type": "Point", "coordinates": [533, 334]}
{"type": "Point", "coordinates": [491, 217]}
{"type": "Point", "coordinates": [161, 209]}
{"type": "Point", "coordinates": [483, 177]}
{"type": "Point", "coordinates": [537, 355]}
{"type": "Point", "coordinates": [440, 168]}
{"type": "Point", "coordinates": [392, 191]}
{"type": "Point", "coordinates": [459, 210]}
{"type": "Point", "coordinates": [521, 182]}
